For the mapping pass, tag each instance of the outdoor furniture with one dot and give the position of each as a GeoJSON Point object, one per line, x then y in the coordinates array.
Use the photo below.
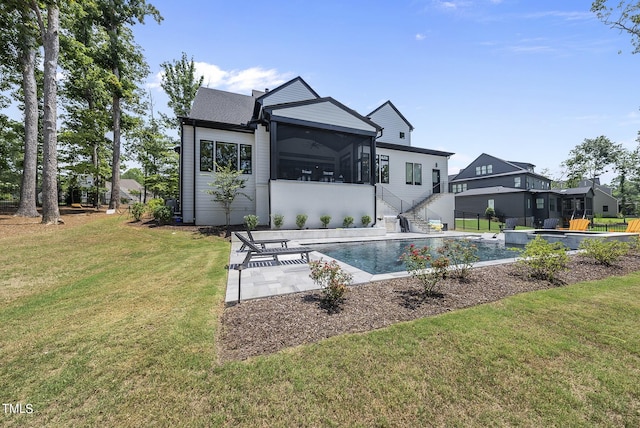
{"type": "Point", "coordinates": [509, 224]}
{"type": "Point", "coordinates": [550, 223]}
{"type": "Point", "coordinates": [263, 242]}
{"type": "Point", "coordinates": [633, 226]}
{"type": "Point", "coordinates": [272, 253]}
{"type": "Point", "coordinates": [578, 224]}
{"type": "Point", "coordinates": [435, 225]}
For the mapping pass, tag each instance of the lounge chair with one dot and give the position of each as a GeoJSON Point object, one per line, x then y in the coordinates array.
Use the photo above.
{"type": "Point", "coordinates": [633, 226]}
{"type": "Point", "coordinates": [550, 223]}
{"type": "Point", "coordinates": [255, 251]}
{"type": "Point", "coordinates": [263, 242]}
{"type": "Point", "coordinates": [577, 224]}
{"type": "Point", "coordinates": [509, 224]}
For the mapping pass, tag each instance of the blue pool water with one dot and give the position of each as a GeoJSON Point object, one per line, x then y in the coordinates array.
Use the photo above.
{"type": "Point", "coordinates": [376, 257]}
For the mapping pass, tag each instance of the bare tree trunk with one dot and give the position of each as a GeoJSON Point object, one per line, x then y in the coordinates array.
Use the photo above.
{"type": "Point", "coordinates": [28, 191]}
{"type": "Point", "coordinates": [51, 42]}
{"type": "Point", "coordinates": [114, 202]}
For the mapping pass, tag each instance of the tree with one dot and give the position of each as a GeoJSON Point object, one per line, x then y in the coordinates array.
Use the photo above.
{"type": "Point", "coordinates": [226, 186]}
{"type": "Point", "coordinates": [590, 159]}
{"type": "Point", "coordinates": [50, 39]}
{"type": "Point", "coordinates": [18, 46]}
{"type": "Point", "coordinates": [125, 63]}
{"type": "Point", "coordinates": [626, 165]}
{"type": "Point", "coordinates": [180, 84]}
{"type": "Point", "coordinates": [624, 17]}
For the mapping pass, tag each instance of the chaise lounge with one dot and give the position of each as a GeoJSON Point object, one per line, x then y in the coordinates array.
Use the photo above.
{"type": "Point", "coordinates": [578, 224]}
{"type": "Point", "coordinates": [254, 251]}
{"type": "Point", "coordinates": [263, 242]}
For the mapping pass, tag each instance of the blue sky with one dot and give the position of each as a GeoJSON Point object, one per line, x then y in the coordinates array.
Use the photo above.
{"type": "Point", "coordinates": [523, 80]}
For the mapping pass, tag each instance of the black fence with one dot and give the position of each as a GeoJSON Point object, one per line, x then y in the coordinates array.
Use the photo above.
{"type": "Point", "coordinates": [8, 207]}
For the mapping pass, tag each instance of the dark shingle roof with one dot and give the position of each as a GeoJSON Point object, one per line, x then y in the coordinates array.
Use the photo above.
{"type": "Point", "coordinates": [214, 105]}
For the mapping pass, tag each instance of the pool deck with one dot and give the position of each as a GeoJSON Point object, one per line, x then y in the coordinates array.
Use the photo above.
{"type": "Point", "coordinates": [266, 278]}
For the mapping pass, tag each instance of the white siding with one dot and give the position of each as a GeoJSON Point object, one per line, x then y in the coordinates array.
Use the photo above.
{"type": "Point", "coordinates": [393, 124]}
{"type": "Point", "coordinates": [408, 192]}
{"type": "Point", "coordinates": [261, 168]}
{"type": "Point", "coordinates": [326, 113]}
{"type": "Point", "coordinates": [188, 164]}
{"type": "Point", "coordinates": [292, 93]}
{"type": "Point", "coordinates": [315, 199]}
{"type": "Point", "coordinates": [207, 211]}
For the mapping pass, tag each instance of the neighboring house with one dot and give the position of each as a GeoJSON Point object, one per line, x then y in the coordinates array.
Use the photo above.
{"type": "Point", "coordinates": [514, 189]}
{"type": "Point", "coordinates": [604, 203]}
{"type": "Point", "coordinates": [130, 191]}
{"type": "Point", "coordinates": [304, 154]}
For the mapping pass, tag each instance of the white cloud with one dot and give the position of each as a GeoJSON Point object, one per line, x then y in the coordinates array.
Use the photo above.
{"type": "Point", "coordinates": [420, 37]}
{"type": "Point", "coordinates": [241, 81]}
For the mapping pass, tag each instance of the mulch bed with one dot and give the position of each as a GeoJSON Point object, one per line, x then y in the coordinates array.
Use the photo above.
{"type": "Point", "coordinates": [268, 325]}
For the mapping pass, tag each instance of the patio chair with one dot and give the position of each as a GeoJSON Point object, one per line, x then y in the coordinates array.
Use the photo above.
{"type": "Point", "coordinates": [509, 224]}
{"type": "Point", "coordinates": [272, 253]}
{"type": "Point", "coordinates": [577, 224]}
{"type": "Point", "coordinates": [263, 242]}
{"type": "Point", "coordinates": [435, 225]}
{"type": "Point", "coordinates": [550, 223]}
{"type": "Point", "coordinates": [633, 226]}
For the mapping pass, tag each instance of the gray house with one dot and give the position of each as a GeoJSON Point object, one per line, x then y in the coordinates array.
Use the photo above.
{"type": "Point", "coordinates": [514, 189]}
{"type": "Point", "coordinates": [604, 203]}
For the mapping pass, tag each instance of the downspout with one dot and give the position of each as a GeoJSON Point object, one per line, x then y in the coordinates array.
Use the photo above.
{"type": "Point", "coordinates": [375, 200]}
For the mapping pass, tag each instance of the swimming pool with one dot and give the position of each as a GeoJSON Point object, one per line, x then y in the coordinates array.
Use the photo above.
{"type": "Point", "coordinates": [376, 257]}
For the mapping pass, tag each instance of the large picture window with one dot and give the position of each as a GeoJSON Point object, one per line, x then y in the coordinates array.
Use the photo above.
{"type": "Point", "coordinates": [237, 156]}
{"type": "Point", "coordinates": [413, 173]}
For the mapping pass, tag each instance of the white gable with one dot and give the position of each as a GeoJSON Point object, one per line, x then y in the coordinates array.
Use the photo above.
{"type": "Point", "coordinates": [392, 125]}
{"type": "Point", "coordinates": [296, 91]}
{"type": "Point", "coordinates": [325, 113]}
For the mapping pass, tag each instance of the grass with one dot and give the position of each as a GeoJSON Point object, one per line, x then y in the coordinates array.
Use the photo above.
{"type": "Point", "coordinates": [113, 325]}
{"type": "Point", "coordinates": [481, 225]}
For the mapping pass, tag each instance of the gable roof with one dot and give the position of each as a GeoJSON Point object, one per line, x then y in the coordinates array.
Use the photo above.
{"type": "Point", "coordinates": [298, 79]}
{"type": "Point", "coordinates": [390, 104]}
{"type": "Point", "coordinates": [515, 168]}
{"type": "Point", "coordinates": [273, 109]}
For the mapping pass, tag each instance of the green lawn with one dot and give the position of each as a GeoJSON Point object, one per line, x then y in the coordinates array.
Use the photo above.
{"type": "Point", "coordinates": [480, 225]}
{"type": "Point", "coordinates": [112, 325]}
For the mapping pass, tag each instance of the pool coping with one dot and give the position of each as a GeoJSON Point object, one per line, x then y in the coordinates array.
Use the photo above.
{"type": "Point", "coordinates": [266, 279]}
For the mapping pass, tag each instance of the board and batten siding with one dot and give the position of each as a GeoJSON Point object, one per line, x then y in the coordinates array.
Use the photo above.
{"type": "Point", "coordinates": [294, 92]}
{"type": "Point", "coordinates": [187, 171]}
{"type": "Point", "coordinates": [392, 125]}
{"type": "Point", "coordinates": [324, 113]}
{"type": "Point", "coordinates": [207, 211]}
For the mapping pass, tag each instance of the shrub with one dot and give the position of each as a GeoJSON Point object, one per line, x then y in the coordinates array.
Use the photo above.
{"type": "Point", "coordinates": [153, 204]}
{"type": "Point", "coordinates": [347, 222]}
{"type": "Point", "coordinates": [137, 211]}
{"type": "Point", "coordinates": [301, 219]}
{"type": "Point", "coordinates": [543, 259]}
{"type": "Point", "coordinates": [325, 219]}
{"type": "Point", "coordinates": [332, 280]}
{"type": "Point", "coordinates": [162, 214]}
{"type": "Point", "coordinates": [278, 219]}
{"type": "Point", "coordinates": [462, 254]}
{"type": "Point", "coordinates": [604, 252]}
{"type": "Point", "coordinates": [251, 221]}
{"type": "Point", "coordinates": [634, 244]}
{"type": "Point", "coordinates": [489, 213]}
{"type": "Point", "coordinates": [365, 220]}
{"type": "Point", "coordinates": [417, 262]}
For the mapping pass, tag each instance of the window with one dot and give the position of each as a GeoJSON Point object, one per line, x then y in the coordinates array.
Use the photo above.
{"type": "Point", "coordinates": [237, 156]}
{"type": "Point", "coordinates": [605, 208]}
{"type": "Point", "coordinates": [484, 169]}
{"type": "Point", "coordinates": [413, 173]}
{"type": "Point", "coordinates": [477, 170]}
{"type": "Point", "coordinates": [528, 204]}
{"type": "Point", "coordinates": [539, 203]}
{"type": "Point", "coordinates": [516, 182]}
{"type": "Point", "coordinates": [382, 169]}
{"type": "Point", "coordinates": [552, 204]}
{"type": "Point", "coordinates": [206, 155]}
{"type": "Point", "coordinates": [489, 169]}
{"type": "Point", "coordinates": [491, 203]}
{"type": "Point", "coordinates": [401, 135]}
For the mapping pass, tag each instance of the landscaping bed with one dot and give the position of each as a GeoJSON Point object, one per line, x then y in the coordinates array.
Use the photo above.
{"type": "Point", "coordinates": [264, 326]}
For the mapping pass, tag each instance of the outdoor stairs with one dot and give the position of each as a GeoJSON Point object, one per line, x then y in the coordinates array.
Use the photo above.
{"type": "Point", "coordinates": [418, 223]}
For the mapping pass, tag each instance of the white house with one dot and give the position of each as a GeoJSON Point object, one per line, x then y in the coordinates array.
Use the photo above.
{"type": "Point", "coordinates": [305, 154]}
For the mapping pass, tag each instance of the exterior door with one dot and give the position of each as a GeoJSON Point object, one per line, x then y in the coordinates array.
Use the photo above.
{"type": "Point", "coordinates": [435, 177]}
